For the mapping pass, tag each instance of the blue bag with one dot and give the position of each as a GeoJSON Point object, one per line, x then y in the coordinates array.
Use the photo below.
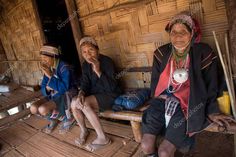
{"type": "Point", "coordinates": [131, 100]}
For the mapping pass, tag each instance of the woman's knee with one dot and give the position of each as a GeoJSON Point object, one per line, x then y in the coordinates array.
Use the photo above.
{"type": "Point", "coordinates": [166, 149]}
{"type": "Point", "coordinates": [74, 104]}
{"type": "Point", "coordinates": [34, 109]}
{"type": "Point", "coordinates": [43, 110]}
{"type": "Point", "coordinates": [87, 106]}
{"type": "Point", "coordinates": [163, 153]}
{"type": "Point", "coordinates": [148, 144]}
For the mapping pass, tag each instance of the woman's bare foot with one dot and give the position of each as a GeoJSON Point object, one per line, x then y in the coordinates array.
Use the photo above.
{"type": "Point", "coordinates": [101, 140]}
{"type": "Point", "coordinates": [98, 144]}
{"type": "Point", "coordinates": [82, 138]}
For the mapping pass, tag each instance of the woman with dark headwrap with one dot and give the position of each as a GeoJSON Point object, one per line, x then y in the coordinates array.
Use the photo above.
{"type": "Point", "coordinates": [184, 88]}
{"type": "Point", "coordinates": [98, 91]}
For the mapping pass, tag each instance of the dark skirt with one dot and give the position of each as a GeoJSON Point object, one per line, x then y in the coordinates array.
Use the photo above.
{"type": "Point", "coordinates": [63, 103]}
{"type": "Point", "coordinates": [105, 101]}
{"type": "Point", "coordinates": [153, 122]}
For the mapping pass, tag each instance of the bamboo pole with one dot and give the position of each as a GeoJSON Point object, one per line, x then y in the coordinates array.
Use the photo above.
{"type": "Point", "coordinates": [229, 64]}
{"type": "Point", "coordinates": [226, 73]}
{"type": "Point", "coordinates": [227, 54]}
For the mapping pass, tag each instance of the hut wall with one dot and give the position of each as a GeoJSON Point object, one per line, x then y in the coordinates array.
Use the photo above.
{"type": "Point", "coordinates": [4, 68]}
{"type": "Point", "coordinates": [21, 39]}
{"type": "Point", "coordinates": [130, 30]}
{"type": "Point", "coordinates": [231, 12]}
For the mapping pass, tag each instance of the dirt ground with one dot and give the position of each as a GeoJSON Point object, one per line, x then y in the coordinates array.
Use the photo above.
{"type": "Point", "coordinates": [209, 144]}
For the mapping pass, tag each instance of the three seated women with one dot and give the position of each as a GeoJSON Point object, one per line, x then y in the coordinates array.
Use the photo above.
{"type": "Point", "coordinates": [184, 88]}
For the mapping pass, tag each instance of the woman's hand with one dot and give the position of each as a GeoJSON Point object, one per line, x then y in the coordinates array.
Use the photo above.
{"type": "Point", "coordinates": [49, 89]}
{"type": "Point", "coordinates": [46, 70]}
{"type": "Point", "coordinates": [221, 119]}
{"type": "Point", "coordinates": [95, 65]}
{"type": "Point", "coordinates": [80, 100]}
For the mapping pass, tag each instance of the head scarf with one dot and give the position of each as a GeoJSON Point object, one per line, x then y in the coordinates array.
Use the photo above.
{"type": "Point", "coordinates": [186, 18]}
{"type": "Point", "coordinates": [88, 40]}
{"type": "Point", "coordinates": [50, 51]}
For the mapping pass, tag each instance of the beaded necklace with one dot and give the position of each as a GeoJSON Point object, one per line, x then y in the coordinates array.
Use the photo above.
{"type": "Point", "coordinates": [180, 75]}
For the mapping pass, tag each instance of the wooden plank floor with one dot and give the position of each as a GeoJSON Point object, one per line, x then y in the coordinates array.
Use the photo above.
{"type": "Point", "coordinates": [26, 139]}
{"type": "Point", "coordinates": [13, 153]}
{"type": "Point", "coordinates": [55, 144]}
{"type": "Point", "coordinates": [4, 148]}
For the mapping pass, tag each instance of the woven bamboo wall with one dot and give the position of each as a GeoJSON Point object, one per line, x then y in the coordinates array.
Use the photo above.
{"type": "Point", "coordinates": [21, 40]}
{"type": "Point", "coordinates": [132, 32]}
{"type": "Point", "coordinates": [3, 66]}
{"type": "Point", "coordinates": [231, 5]}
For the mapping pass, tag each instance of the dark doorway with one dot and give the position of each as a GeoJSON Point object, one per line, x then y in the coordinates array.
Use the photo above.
{"type": "Point", "coordinates": [57, 29]}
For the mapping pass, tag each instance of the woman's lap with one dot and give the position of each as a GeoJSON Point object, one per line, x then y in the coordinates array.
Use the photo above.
{"type": "Point", "coordinates": [153, 122]}
{"type": "Point", "coordinates": [105, 101]}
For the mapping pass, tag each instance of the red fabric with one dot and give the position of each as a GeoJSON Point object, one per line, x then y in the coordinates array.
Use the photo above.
{"type": "Point", "coordinates": [182, 94]}
{"type": "Point", "coordinates": [197, 31]}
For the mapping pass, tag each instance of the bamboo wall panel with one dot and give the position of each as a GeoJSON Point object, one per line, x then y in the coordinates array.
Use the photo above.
{"type": "Point", "coordinates": [3, 66]}
{"type": "Point", "coordinates": [231, 12]}
{"type": "Point", "coordinates": [21, 40]}
{"type": "Point", "coordinates": [129, 35]}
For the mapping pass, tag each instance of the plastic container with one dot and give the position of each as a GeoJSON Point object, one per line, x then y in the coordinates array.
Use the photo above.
{"type": "Point", "coordinates": [224, 103]}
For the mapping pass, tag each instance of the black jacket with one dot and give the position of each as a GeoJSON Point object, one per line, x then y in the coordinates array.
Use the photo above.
{"type": "Point", "coordinates": [92, 84]}
{"type": "Point", "coordinates": [203, 82]}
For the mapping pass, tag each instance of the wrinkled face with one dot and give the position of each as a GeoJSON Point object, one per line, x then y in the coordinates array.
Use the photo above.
{"type": "Point", "coordinates": [49, 61]}
{"type": "Point", "coordinates": [88, 51]}
{"type": "Point", "coordinates": [180, 36]}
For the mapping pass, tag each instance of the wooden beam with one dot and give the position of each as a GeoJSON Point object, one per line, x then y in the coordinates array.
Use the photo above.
{"type": "Point", "coordinates": [117, 7]}
{"type": "Point", "coordinates": [124, 115]}
{"type": "Point", "coordinates": [12, 61]}
{"type": "Point", "coordinates": [136, 69]}
{"type": "Point", "coordinates": [75, 25]}
{"type": "Point", "coordinates": [136, 128]}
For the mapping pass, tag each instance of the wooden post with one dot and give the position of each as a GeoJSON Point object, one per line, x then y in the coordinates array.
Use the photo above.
{"type": "Point", "coordinates": [136, 127]}
{"type": "Point", "coordinates": [75, 25]}
{"type": "Point", "coordinates": [231, 13]}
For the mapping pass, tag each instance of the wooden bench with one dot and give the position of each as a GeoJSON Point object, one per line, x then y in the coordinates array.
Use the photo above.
{"type": "Point", "coordinates": [135, 117]}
